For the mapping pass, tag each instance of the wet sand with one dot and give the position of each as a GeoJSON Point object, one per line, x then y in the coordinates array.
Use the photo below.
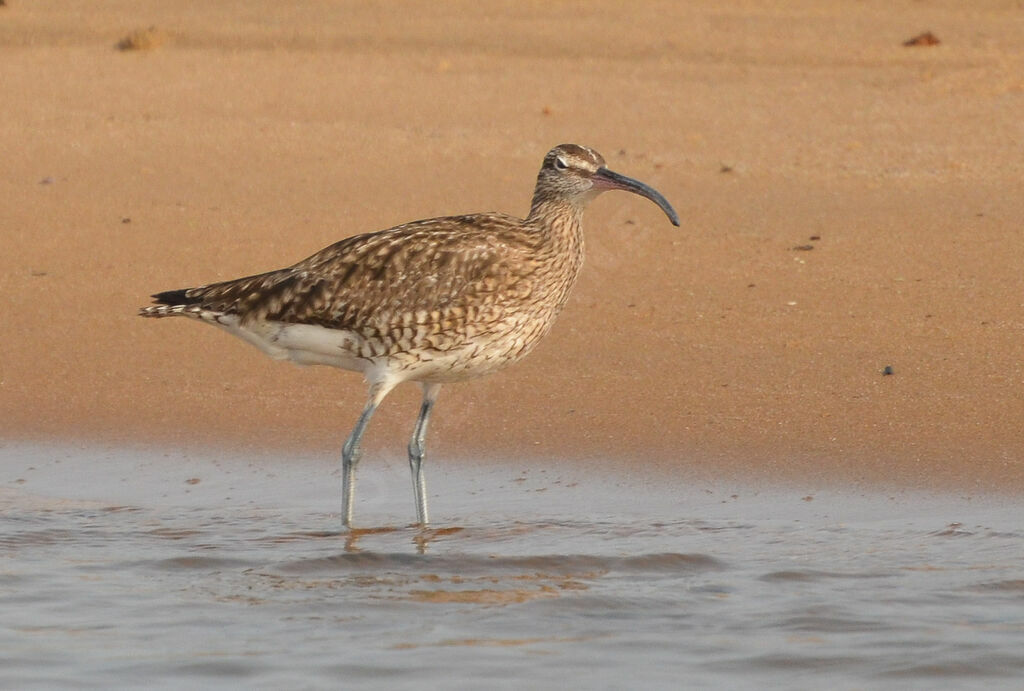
{"type": "Point", "coordinates": [157, 568]}
{"type": "Point", "coordinates": [848, 203]}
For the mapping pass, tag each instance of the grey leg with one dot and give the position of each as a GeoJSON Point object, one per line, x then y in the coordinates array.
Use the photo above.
{"type": "Point", "coordinates": [416, 451]}
{"type": "Point", "coordinates": [351, 452]}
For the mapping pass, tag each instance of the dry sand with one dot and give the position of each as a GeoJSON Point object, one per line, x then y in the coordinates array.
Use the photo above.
{"type": "Point", "coordinates": [238, 137]}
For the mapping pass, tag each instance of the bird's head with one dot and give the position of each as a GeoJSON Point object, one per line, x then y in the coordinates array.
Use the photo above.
{"type": "Point", "coordinates": [577, 174]}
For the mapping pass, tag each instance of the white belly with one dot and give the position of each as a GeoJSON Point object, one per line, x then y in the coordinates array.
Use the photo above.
{"type": "Point", "coordinates": [303, 344]}
{"type": "Point", "coordinates": [309, 344]}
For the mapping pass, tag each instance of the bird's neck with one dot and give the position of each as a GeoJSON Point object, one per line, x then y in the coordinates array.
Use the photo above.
{"type": "Point", "coordinates": [559, 229]}
{"type": "Point", "coordinates": [560, 222]}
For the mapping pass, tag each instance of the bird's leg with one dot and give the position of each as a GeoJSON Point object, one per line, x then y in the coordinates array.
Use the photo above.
{"type": "Point", "coordinates": [416, 450]}
{"type": "Point", "coordinates": [351, 452]}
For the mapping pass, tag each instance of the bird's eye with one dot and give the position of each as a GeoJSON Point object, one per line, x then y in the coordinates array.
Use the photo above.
{"type": "Point", "coordinates": [560, 163]}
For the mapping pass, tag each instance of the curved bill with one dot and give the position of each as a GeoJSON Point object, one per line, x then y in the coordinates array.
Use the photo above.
{"type": "Point", "coordinates": [605, 179]}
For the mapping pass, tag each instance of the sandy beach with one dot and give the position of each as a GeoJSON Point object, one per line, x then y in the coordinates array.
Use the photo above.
{"type": "Point", "coordinates": [848, 203]}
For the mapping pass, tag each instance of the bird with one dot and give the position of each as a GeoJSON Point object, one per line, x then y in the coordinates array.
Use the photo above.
{"type": "Point", "coordinates": [434, 301]}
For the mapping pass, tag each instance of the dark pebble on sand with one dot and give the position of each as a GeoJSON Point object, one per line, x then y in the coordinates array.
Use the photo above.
{"type": "Point", "coordinates": [925, 39]}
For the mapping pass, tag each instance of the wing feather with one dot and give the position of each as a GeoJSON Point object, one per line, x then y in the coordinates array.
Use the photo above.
{"type": "Point", "coordinates": [376, 280]}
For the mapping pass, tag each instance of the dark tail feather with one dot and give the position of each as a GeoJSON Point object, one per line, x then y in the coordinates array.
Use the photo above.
{"type": "Point", "coordinates": [175, 298]}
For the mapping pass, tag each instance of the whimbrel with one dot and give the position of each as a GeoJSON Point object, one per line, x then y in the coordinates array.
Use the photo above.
{"type": "Point", "coordinates": [434, 301]}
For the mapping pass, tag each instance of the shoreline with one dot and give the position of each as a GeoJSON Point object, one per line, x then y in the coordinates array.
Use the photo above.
{"type": "Point", "coordinates": [145, 474]}
{"type": "Point", "coordinates": [755, 471]}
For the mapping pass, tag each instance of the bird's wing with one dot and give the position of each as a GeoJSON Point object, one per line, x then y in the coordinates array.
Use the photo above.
{"type": "Point", "coordinates": [368, 279]}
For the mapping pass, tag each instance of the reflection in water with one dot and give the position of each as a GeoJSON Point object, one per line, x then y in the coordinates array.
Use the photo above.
{"type": "Point", "coordinates": [739, 592]}
{"type": "Point", "coordinates": [421, 537]}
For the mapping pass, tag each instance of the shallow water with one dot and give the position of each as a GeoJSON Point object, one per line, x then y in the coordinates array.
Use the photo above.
{"type": "Point", "coordinates": [120, 569]}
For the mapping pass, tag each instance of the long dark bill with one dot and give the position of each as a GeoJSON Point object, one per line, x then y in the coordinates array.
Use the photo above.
{"type": "Point", "coordinates": [610, 180]}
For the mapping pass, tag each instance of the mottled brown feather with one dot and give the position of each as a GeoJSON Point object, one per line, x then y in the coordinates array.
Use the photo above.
{"type": "Point", "coordinates": [423, 265]}
{"type": "Point", "coordinates": [461, 277]}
